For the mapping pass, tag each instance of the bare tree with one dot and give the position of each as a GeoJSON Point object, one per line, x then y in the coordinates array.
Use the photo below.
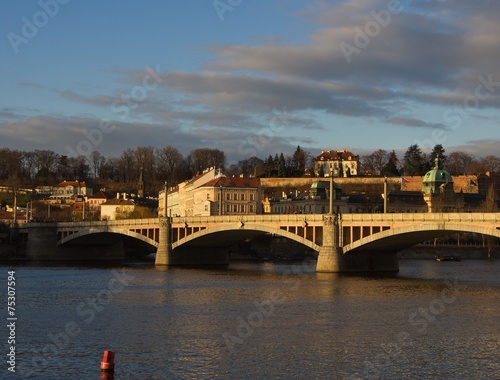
{"type": "Point", "coordinates": [28, 165]}
{"type": "Point", "coordinates": [10, 164]}
{"type": "Point", "coordinates": [375, 162]}
{"type": "Point", "coordinates": [490, 163]}
{"type": "Point", "coordinates": [146, 162]}
{"type": "Point", "coordinates": [97, 161]}
{"type": "Point", "coordinates": [78, 167]}
{"type": "Point", "coordinates": [127, 166]}
{"type": "Point", "coordinates": [170, 160]}
{"type": "Point", "coordinates": [46, 163]}
{"type": "Point", "coordinates": [204, 158]}
{"type": "Point", "coordinates": [459, 163]}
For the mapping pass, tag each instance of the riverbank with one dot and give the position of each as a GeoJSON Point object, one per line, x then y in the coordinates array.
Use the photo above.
{"type": "Point", "coordinates": [426, 252]}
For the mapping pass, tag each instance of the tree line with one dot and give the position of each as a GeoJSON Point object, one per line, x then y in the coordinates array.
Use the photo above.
{"type": "Point", "coordinates": [157, 165]}
{"type": "Point", "coordinates": [417, 163]}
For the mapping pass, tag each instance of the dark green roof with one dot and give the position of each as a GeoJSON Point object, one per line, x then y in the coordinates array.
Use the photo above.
{"type": "Point", "coordinates": [434, 178]}
{"type": "Point", "coordinates": [325, 185]}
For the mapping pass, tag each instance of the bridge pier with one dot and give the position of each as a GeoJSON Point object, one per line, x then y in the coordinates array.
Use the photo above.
{"type": "Point", "coordinates": [42, 241]}
{"type": "Point", "coordinates": [189, 255]}
{"type": "Point", "coordinates": [331, 258]}
{"type": "Point", "coordinates": [164, 251]}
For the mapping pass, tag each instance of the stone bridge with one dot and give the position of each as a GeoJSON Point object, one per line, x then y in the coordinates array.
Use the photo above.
{"type": "Point", "coordinates": [348, 242]}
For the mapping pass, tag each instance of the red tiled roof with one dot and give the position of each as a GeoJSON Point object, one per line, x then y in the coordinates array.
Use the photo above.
{"type": "Point", "coordinates": [118, 202]}
{"type": "Point", "coordinates": [71, 183]}
{"type": "Point", "coordinates": [335, 155]}
{"type": "Point", "coordinates": [101, 195]}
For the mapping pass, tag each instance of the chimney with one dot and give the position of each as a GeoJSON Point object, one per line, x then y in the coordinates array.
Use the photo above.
{"type": "Point", "coordinates": [117, 195]}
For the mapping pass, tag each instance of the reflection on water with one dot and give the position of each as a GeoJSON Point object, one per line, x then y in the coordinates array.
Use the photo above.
{"type": "Point", "coordinates": [248, 321]}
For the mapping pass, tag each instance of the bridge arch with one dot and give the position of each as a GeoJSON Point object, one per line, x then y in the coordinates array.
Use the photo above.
{"type": "Point", "coordinates": [230, 234]}
{"type": "Point", "coordinates": [110, 230]}
{"type": "Point", "coordinates": [397, 239]}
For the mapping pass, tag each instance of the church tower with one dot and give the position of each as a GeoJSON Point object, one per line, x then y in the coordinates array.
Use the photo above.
{"type": "Point", "coordinates": [140, 186]}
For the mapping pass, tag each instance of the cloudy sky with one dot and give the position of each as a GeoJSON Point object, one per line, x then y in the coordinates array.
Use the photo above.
{"type": "Point", "coordinates": [250, 77]}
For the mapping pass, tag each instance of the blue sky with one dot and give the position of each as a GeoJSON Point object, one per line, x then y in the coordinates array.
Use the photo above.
{"type": "Point", "coordinates": [249, 77]}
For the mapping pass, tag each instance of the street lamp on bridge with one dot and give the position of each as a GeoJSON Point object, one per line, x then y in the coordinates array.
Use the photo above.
{"type": "Point", "coordinates": [220, 200]}
{"type": "Point", "coordinates": [331, 189]}
{"type": "Point", "coordinates": [165, 201]}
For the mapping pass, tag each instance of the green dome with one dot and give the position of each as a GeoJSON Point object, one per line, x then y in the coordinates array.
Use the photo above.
{"type": "Point", "coordinates": [322, 188]}
{"type": "Point", "coordinates": [325, 185]}
{"type": "Point", "coordinates": [434, 178]}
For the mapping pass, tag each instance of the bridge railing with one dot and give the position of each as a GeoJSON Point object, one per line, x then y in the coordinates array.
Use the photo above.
{"type": "Point", "coordinates": [252, 218]}
{"type": "Point", "coordinates": [421, 217]}
{"type": "Point", "coordinates": [493, 218]}
{"type": "Point", "coordinates": [112, 223]}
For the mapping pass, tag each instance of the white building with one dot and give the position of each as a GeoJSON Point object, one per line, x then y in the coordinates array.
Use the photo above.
{"type": "Point", "coordinates": [116, 208]}
{"type": "Point", "coordinates": [336, 163]}
{"type": "Point", "coordinates": [69, 190]}
{"type": "Point", "coordinates": [212, 193]}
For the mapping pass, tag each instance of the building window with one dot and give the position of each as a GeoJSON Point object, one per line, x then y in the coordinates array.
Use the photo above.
{"type": "Point", "coordinates": [206, 207]}
{"type": "Point", "coordinates": [228, 197]}
{"type": "Point", "coordinates": [242, 197]}
{"type": "Point", "coordinates": [208, 196]}
{"type": "Point", "coordinates": [252, 197]}
{"type": "Point", "coordinates": [235, 208]}
{"type": "Point", "coordinates": [235, 197]}
{"type": "Point", "coordinates": [250, 208]}
{"type": "Point", "coordinates": [228, 208]}
{"type": "Point", "coordinates": [242, 208]}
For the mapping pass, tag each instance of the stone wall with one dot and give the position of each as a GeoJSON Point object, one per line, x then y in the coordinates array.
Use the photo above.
{"type": "Point", "coordinates": [368, 185]}
{"type": "Point", "coordinates": [462, 183]}
{"type": "Point", "coordinates": [351, 185]}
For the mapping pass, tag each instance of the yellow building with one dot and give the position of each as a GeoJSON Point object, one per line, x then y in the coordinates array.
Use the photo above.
{"type": "Point", "coordinates": [228, 196]}
{"type": "Point", "coordinates": [211, 193]}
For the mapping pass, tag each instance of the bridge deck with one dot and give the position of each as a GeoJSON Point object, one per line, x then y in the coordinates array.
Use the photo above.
{"type": "Point", "coordinates": [352, 227]}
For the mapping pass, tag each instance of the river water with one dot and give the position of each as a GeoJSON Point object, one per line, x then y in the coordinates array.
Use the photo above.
{"type": "Point", "coordinates": [433, 320]}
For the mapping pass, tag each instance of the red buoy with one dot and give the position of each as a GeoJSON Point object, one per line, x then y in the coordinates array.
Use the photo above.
{"type": "Point", "coordinates": [108, 361]}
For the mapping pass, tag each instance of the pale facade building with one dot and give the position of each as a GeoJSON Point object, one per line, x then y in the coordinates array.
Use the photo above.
{"type": "Point", "coordinates": [228, 196]}
{"type": "Point", "coordinates": [211, 193]}
{"type": "Point", "coordinates": [116, 208]}
{"type": "Point", "coordinates": [70, 189]}
{"type": "Point", "coordinates": [336, 163]}
{"type": "Point", "coordinates": [96, 200]}
{"type": "Point", "coordinates": [180, 200]}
